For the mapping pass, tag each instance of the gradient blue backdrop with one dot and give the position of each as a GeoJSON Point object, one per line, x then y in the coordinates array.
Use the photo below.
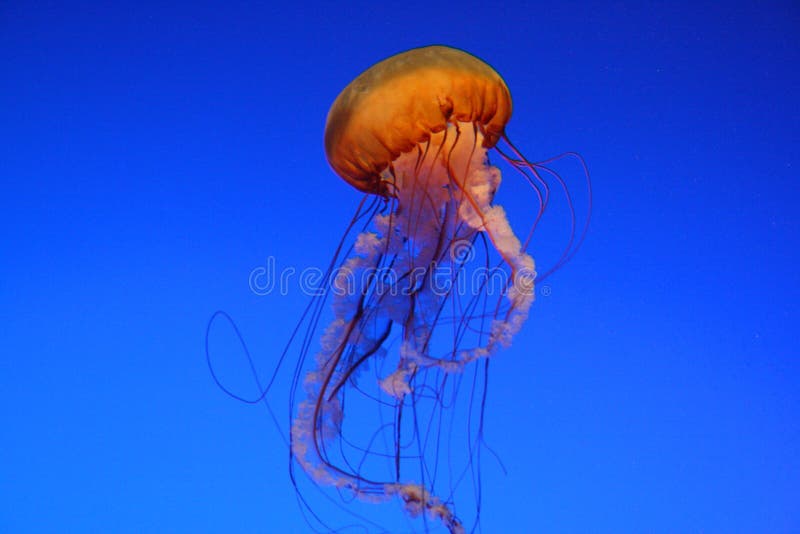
{"type": "Point", "coordinates": [152, 155]}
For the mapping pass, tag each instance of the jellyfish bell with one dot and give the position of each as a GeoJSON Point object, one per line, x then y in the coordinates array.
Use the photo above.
{"type": "Point", "coordinates": [404, 100]}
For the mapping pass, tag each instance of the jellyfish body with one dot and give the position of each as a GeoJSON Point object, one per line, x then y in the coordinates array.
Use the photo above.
{"type": "Point", "coordinates": [415, 131]}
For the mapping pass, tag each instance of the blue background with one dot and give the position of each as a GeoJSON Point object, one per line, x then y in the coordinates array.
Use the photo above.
{"type": "Point", "coordinates": [152, 155]}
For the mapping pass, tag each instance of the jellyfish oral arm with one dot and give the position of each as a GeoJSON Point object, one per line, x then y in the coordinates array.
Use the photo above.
{"type": "Point", "coordinates": [444, 193]}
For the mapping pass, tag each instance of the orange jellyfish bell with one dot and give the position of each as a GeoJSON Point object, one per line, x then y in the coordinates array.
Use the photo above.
{"type": "Point", "coordinates": [398, 103]}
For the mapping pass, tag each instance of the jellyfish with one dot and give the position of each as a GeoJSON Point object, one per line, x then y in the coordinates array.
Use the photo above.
{"type": "Point", "coordinates": [427, 284]}
{"type": "Point", "coordinates": [434, 283]}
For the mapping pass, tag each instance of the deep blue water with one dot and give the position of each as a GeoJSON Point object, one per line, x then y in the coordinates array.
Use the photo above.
{"type": "Point", "coordinates": [152, 156]}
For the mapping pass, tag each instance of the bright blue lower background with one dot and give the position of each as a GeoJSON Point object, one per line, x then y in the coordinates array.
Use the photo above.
{"type": "Point", "coordinates": [152, 156]}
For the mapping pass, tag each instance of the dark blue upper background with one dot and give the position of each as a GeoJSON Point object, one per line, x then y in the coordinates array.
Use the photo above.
{"type": "Point", "coordinates": [152, 156]}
